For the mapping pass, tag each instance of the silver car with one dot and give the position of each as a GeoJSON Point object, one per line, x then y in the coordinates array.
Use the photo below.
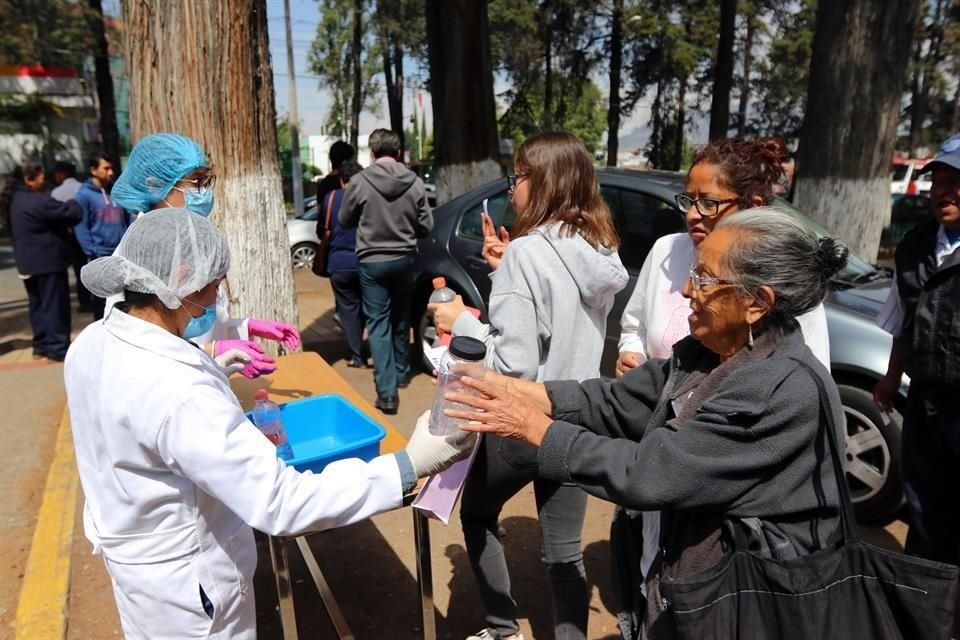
{"type": "Point", "coordinates": [302, 236]}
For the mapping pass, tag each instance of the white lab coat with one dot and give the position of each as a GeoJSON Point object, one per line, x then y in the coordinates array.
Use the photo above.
{"type": "Point", "coordinates": [174, 476]}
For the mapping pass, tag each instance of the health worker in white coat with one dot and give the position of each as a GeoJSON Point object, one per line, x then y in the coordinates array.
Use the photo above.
{"type": "Point", "coordinates": [173, 473]}
{"type": "Point", "coordinates": [170, 170]}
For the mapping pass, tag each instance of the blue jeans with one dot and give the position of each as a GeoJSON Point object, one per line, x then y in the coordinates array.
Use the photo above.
{"type": "Point", "coordinates": [386, 289]}
{"type": "Point", "coordinates": [499, 471]}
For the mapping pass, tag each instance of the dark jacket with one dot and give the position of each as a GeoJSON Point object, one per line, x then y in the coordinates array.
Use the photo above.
{"type": "Point", "coordinates": [750, 451]}
{"type": "Point", "coordinates": [388, 205]}
{"type": "Point", "coordinates": [342, 250]}
{"type": "Point", "coordinates": [39, 227]}
{"type": "Point", "coordinates": [104, 222]}
{"type": "Point", "coordinates": [930, 337]}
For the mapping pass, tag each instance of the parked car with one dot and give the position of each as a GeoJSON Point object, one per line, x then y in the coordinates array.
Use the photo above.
{"type": "Point", "coordinates": [302, 237]}
{"type": "Point", "coordinates": [643, 206]}
{"type": "Point", "coordinates": [904, 177]}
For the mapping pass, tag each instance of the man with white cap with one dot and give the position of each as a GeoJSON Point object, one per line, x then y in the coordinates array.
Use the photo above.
{"type": "Point", "coordinates": [923, 314]}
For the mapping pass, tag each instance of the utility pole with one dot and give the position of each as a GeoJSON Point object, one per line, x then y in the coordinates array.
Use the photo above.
{"type": "Point", "coordinates": [295, 169]}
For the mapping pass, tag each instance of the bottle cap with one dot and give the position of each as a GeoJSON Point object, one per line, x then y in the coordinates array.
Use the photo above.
{"type": "Point", "coordinates": [260, 394]}
{"type": "Point", "coordinates": [439, 282]}
{"type": "Point", "coordinates": [467, 348]}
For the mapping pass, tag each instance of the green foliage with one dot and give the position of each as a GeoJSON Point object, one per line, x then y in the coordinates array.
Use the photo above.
{"type": "Point", "coordinates": [331, 57]}
{"type": "Point", "coordinates": [46, 32]}
{"type": "Point", "coordinates": [585, 115]}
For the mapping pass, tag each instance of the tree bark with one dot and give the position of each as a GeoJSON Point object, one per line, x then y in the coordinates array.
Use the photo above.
{"type": "Point", "coordinates": [744, 107]}
{"type": "Point", "coordinates": [548, 64]}
{"type": "Point", "coordinates": [392, 54]}
{"type": "Point", "coordinates": [723, 71]}
{"type": "Point", "coordinates": [681, 122]}
{"type": "Point", "coordinates": [616, 66]}
{"type": "Point", "coordinates": [172, 53]}
{"type": "Point", "coordinates": [844, 180]}
{"type": "Point", "coordinates": [356, 102]}
{"type": "Point", "coordinates": [461, 84]}
{"type": "Point", "coordinates": [109, 133]}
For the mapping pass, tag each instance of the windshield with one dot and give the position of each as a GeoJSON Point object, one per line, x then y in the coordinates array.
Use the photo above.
{"type": "Point", "coordinates": [898, 172]}
{"type": "Point", "coordinates": [856, 267]}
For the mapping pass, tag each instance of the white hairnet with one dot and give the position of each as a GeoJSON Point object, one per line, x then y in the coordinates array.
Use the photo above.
{"type": "Point", "coordinates": [170, 253]}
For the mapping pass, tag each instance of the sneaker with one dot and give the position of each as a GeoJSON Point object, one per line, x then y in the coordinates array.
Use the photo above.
{"type": "Point", "coordinates": [487, 634]}
{"type": "Point", "coordinates": [356, 363]}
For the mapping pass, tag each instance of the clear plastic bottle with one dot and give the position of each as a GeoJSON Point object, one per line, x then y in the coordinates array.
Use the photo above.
{"type": "Point", "coordinates": [441, 292]}
{"type": "Point", "coordinates": [465, 356]}
{"type": "Point", "coordinates": [269, 419]}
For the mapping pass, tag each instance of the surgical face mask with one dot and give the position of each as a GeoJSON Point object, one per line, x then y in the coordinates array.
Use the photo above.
{"type": "Point", "coordinates": [200, 201]}
{"type": "Point", "coordinates": [201, 324]}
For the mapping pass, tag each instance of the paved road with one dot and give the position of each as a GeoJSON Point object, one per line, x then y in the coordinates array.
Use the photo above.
{"type": "Point", "coordinates": [370, 565]}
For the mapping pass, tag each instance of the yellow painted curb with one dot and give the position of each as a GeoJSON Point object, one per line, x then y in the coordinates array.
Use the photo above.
{"type": "Point", "coordinates": [42, 610]}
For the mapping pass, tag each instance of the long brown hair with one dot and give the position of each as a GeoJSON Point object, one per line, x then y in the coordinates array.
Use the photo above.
{"type": "Point", "coordinates": [564, 189]}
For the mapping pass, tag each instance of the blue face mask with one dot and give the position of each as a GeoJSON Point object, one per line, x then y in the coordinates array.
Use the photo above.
{"type": "Point", "coordinates": [200, 202]}
{"type": "Point", "coordinates": [201, 324]}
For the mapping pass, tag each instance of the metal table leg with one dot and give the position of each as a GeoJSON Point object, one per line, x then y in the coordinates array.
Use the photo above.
{"type": "Point", "coordinates": [421, 529]}
{"type": "Point", "coordinates": [333, 609]}
{"type": "Point", "coordinates": [281, 571]}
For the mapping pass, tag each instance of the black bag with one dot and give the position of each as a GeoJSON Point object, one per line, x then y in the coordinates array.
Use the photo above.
{"type": "Point", "coordinates": [849, 590]}
{"type": "Point", "coordinates": [319, 266]}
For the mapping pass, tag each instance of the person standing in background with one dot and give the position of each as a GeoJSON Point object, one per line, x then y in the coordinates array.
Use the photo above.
{"type": "Point", "coordinates": [67, 186]}
{"type": "Point", "coordinates": [342, 265]}
{"type": "Point", "coordinates": [387, 203]}
{"type": "Point", "coordinates": [104, 222]}
{"type": "Point", "coordinates": [39, 227]}
{"type": "Point", "coordinates": [340, 152]}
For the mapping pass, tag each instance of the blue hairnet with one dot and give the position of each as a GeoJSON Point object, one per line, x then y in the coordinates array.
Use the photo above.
{"type": "Point", "coordinates": [156, 163]}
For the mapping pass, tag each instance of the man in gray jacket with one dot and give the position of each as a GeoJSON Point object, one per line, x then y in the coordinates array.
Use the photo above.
{"type": "Point", "coordinates": [388, 205]}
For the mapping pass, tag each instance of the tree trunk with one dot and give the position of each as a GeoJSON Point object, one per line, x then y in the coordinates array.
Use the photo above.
{"type": "Point", "coordinates": [180, 45]}
{"type": "Point", "coordinates": [844, 180]}
{"type": "Point", "coordinates": [356, 102]}
{"type": "Point", "coordinates": [109, 134]}
{"type": "Point", "coordinates": [917, 82]}
{"type": "Point", "coordinates": [392, 54]}
{"type": "Point", "coordinates": [743, 111]}
{"type": "Point", "coordinates": [678, 136]}
{"type": "Point", "coordinates": [616, 65]}
{"type": "Point", "coordinates": [548, 65]}
{"type": "Point", "coordinates": [461, 82]}
{"type": "Point", "coordinates": [723, 74]}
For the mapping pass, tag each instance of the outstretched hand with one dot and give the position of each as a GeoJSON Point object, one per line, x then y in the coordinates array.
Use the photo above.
{"type": "Point", "coordinates": [499, 409]}
{"type": "Point", "coordinates": [493, 244]}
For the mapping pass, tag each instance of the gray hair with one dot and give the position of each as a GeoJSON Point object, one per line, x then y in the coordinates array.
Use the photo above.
{"type": "Point", "coordinates": [777, 250]}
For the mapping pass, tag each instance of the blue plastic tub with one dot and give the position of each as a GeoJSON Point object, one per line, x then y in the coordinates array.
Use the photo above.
{"type": "Point", "coordinates": [323, 429]}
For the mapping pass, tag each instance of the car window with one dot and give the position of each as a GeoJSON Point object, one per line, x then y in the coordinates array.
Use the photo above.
{"type": "Point", "coordinates": [898, 172]}
{"type": "Point", "coordinates": [642, 220]}
{"type": "Point", "coordinates": [309, 214]}
{"type": "Point", "coordinates": [500, 210]}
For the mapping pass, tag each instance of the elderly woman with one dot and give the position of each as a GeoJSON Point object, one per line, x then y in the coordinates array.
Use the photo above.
{"type": "Point", "coordinates": [724, 434]}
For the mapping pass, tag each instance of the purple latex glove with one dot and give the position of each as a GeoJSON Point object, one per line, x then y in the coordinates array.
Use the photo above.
{"type": "Point", "coordinates": [260, 363]}
{"type": "Point", "coordinates": [288, 336]}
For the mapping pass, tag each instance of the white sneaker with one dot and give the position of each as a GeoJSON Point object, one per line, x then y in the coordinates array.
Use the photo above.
{"type": "Point", "coordinates": [487, 634]}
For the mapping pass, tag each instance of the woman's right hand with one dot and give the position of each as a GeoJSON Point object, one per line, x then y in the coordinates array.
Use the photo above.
{"type": "Point", "coordinates": [628, 360]}
{"type": "Point", "coordinates": [493, 245]}
{"type": "Point", "coordinates": [885, 392]}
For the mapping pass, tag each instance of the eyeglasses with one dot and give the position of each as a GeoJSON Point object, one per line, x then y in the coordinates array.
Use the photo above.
{"type": "Point", "coordinates": [706, 207]}
{"type": "Point", "coordinates": [699, 281]}
{"type": "Point", "coordinates": [514, 179]}
{"type": "Point", "coordinates": [204, 182]}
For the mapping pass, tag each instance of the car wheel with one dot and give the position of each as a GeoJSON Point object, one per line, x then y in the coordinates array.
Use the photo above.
{"type": "Point", "coordinates": [872, 456]}
{"type": "Point", "coordinates": [302, 255]}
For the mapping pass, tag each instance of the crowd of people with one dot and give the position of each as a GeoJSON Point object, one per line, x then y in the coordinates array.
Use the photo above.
{"type": "Point", "coordinates": [713, 431]}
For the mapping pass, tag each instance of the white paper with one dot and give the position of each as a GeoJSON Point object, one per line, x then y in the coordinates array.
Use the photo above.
{"type": "Point", "coordinates": [434, 355]}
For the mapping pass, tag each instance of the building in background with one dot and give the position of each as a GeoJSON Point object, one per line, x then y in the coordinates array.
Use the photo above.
{"type": "Point", "coordinates": [46, 114]}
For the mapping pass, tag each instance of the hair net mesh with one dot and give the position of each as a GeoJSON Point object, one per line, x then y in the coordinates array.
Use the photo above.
{"type": "Point", "coordinates": [170, 253]}
{"type": "Point", "coordinates": [156, 163]}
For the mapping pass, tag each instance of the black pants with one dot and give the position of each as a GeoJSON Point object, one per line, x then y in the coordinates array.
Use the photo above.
{"type": "Point", "coordinates": [346, 291]}
{"type": "Point", "coordinates": [931, 472]}
{"type": "Point", "coordinates": [49, 307]}
{"type": "Point", "coordinates": [78, 259]}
